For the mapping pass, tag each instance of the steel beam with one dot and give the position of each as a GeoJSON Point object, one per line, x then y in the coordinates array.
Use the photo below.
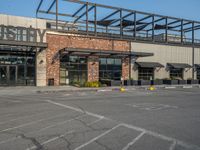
{"type": "Point", "coordinates": [52, 4]}
{"type": "Point", "coordinates": [83, 14]}
{"type": "Point", "coordinates": [122, 17]}
{"type": "Point", "coordinates": [174, 22]}
{"type": "Point", "coordinates": [115, 12]}
{"type": "Point", "coordinates": [38, 8]}
{"type": "Point", "coordinates": [190, 28]}
{"type": "Point", "coordinates": [166, 30]}
{"type": "Point", "coordinates": [183, 24]}
{"type": "Point", "coordinates": [56, 14]}
{"type": "Point", "coordinates": [144, 18]}
{"type": "Point", "coordinates": [59, 14]}
{"type": "Point", "coordinates": [79, 10]}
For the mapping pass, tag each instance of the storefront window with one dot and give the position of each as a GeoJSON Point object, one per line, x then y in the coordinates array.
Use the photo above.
{"type": "Point", "coordinates": [73, 70]}
{"type": "Point", "coordinates": [110, 68]}
{"type": "Point", "coordinates": [198, 73]}
{"type": "Point", "coordinates": [145, 73]}
{"type": "Point", "coordinates": [176, 73]}
{"type": "Point", "coordinates": [17, 70]}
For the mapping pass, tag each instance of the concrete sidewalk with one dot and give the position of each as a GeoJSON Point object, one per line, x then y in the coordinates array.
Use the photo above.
{"type": "Point", "coordinates": [51, 89]}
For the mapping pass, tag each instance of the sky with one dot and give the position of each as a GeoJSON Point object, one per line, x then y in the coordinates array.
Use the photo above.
{"type": "Point", "coordinates": [187, 9]}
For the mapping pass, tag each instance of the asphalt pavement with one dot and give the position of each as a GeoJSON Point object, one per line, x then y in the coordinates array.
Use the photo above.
{"type": "Point", "coordinates": [137, 119]}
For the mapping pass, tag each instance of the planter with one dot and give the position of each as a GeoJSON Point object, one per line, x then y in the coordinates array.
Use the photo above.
{"type": "Point", "coordinates": [134, 82]}
{"type": "Point", "coordinates": [156, 82]}
{"type": "Point", "coordinates": [130, 82]}
{"type": "Point", "coordinates": [127, 82]}
{"type": "Point", "coordinates": [144, 82]}
{"type": "Point", "coordinates": [115, 83]}
{"type": "Point", "coordinates": [181, 82]}
{"type": "Point", "coordinates": [192, 81]}
{"type": "Point", "coordinates": [170, 82]}
{"type": "Point", "coordinates": [106, 82]}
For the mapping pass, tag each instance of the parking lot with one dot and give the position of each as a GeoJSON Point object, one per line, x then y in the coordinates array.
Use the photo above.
{"type": "Point", "coordinates": [164, 119]}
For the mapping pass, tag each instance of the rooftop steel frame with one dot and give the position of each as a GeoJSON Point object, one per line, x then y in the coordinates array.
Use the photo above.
{"type": "Point", "coordinates": [121, 23]}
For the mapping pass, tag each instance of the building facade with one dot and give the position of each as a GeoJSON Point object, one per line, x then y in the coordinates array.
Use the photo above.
{"type": "Point", "coordinates": [47, 51]}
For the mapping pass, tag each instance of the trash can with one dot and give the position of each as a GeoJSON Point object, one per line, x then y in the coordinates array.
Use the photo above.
{"type": "Point", "coordinates": [51, 82]}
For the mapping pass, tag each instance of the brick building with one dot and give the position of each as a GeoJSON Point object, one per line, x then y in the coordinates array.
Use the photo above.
{"type": "Point", "coordinates": [93, 46]}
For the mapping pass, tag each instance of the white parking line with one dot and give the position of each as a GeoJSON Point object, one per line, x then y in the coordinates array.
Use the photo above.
{"type": "Point", "coordinates": [89, 124]}
{"type": "Point", "coordinates": [42, 129]}
{"type": "Point", "coordinates": [94, 139]}
{"type": "Point", "coordinates": [30, 123]}
{"type": "Point", "coordinates": [51, 140]}
{"type": "Point", "coordinates": [23, 117]}
{"type": "Point", "coordinates": [163, 137]}
{"type": "Point", "coordinates": [133, 141]}
{"type": "Point", "coordinates": [76, 109]}
{"type": "Point", "coordinates": [172, 147]}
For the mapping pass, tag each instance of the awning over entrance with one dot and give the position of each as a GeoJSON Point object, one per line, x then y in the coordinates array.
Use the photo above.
{"type": "Point", "coordinates": [108, 53]}
{"type": "Point", "coordinates": [149, 65]}
{"type": "Point", "coordinates": [179, 65]}
{"type": "Point", "coordinates": [197, 66]}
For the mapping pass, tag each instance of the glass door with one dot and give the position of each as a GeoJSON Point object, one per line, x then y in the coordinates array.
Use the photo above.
{"type": "Point", "coordinates": [3, 75]}
{"type": "Point", "coordinates": [12, 75]}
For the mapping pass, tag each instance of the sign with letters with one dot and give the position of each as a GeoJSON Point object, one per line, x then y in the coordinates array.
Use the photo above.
{"type": "Point", "coordinates": [21, 34]}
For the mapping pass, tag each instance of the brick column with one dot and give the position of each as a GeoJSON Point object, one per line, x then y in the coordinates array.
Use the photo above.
{"type": "Point", "coordinates": [125, 68]}
{"type": "Point", "coordinates": [93, 68]}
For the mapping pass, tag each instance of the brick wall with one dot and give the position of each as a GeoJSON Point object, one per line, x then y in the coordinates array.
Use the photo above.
{"type": "Point", "coordinates": [57, 42]}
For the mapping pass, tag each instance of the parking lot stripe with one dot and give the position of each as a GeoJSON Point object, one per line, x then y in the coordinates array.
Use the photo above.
{"type": "Point", "coordinates": [172, 147]}
{"type": "Point", "coordinates": [89, 124]}
{"type": "Point", "coordinates": [94, 139]}
{"type": "Point", "coordinates": [195, 147]}
{"type": "Point", "coordinates": [23, 117]}
{"type": "Point", "coordinates": [42, 129]}
{"type": "Point", "coordinates": [76, 109]}
{"type": "Point", "coordinates": [33, 122]}
{"type": "Point", "coordinates": [163, 137]}
{"type": "Point", "coordinates": [133, 141]}
{"type": "Point", "coordinates": [51, 140]}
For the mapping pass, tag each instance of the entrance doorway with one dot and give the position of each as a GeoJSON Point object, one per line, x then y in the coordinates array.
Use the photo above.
{"type": "Point", "coordinates": [17, 70]}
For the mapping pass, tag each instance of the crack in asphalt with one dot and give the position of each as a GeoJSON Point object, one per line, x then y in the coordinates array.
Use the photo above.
{"type": "Point", "coordinates": [34, 141]}
{"type": "Point", "coordinates": [102, 145]}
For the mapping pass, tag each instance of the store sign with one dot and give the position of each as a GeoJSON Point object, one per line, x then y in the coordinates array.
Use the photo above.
{"type": "Point", "coordinates": [21, 34]}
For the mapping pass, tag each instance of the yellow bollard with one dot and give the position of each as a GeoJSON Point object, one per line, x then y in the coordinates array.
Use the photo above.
{"type": "Point", "coordinates": [122, 89]}
{"type": "Point", "coordinates": [151, 88]}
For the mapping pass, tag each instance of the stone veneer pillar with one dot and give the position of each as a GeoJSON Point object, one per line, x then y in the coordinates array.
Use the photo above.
{"type": "Point", "coordinates": [93, 68]}
{"type": "Point", "coordinates": [41, 68]}
{"type": "Point", "coordinates": [125, 68]}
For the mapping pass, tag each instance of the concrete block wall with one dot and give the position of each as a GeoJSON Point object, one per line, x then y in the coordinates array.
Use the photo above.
{"type": "Point", "coordinates": [165, 54]}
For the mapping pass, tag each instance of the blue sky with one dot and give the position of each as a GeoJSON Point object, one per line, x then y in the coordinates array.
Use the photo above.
{"type": "Point", "coordinates": [188, 9]}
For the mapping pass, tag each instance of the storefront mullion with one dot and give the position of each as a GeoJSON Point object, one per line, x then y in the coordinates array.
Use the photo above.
{"type": "Point", "coordinates": [110, 69]}
{"type": "Point", "coordinates": [73, 70]}
{"type": "Point", "coordinates": [198, 73]}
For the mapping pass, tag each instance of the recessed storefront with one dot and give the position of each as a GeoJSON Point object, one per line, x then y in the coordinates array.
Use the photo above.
{"type": "Point", "coordinates": [73, 70]}
{"type": "Point", "coordinates": [110, 69]}
{"type": "Point", "coordinates": [17, 69]}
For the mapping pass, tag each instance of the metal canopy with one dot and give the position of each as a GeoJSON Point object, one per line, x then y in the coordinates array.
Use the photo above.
{"type": "Point", "coordinates": [178, 65]}
{"type": "Point", "coordinates": [94, 19]}
{"type": "Point", "coordinates": [149, 64]}
{"type": "Point", "coordinates": [103, 53]}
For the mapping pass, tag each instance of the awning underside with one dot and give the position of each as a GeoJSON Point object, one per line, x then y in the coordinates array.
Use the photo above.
{"type": "Point", "coordinates": [108, 53]}
{"type": "Point", "coordinates": [179, 65]}
{"type": "Point", "coordinates": [197, 66]}
{"type": "Point", "coordinates": [149, 65]}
